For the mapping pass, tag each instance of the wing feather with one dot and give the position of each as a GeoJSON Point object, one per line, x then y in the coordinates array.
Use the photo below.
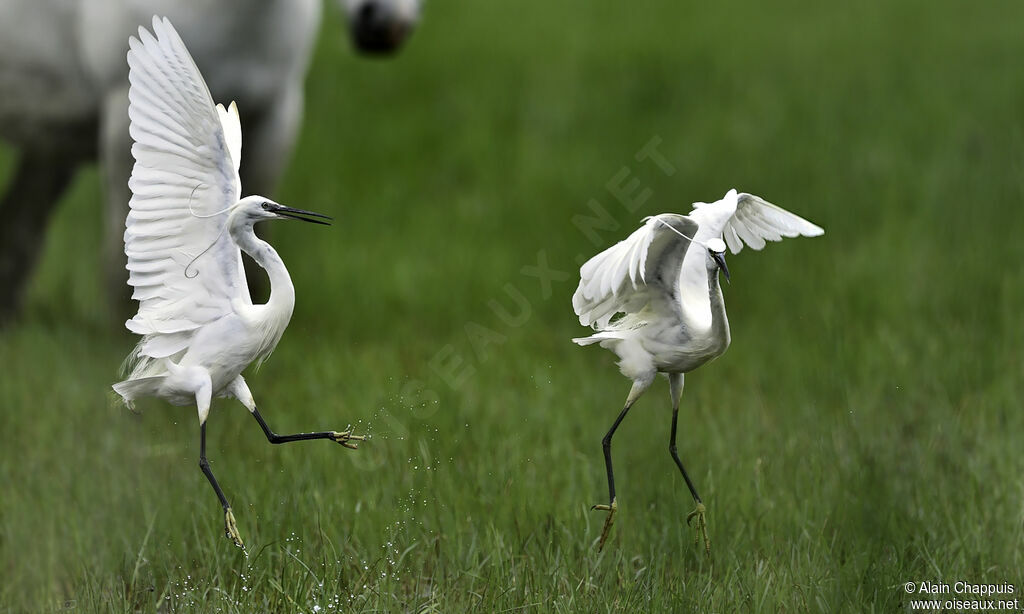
{"type": "Point", "coordinates": [627, 276]}
{"type": "Point", "coordinates": [232, 131]}
{"type": "Point", "coordinates": [756, 221]}
{"type": "Point", "coordinates": [732, 239]}
{"type": "Point", "coordinates": [182, 264]}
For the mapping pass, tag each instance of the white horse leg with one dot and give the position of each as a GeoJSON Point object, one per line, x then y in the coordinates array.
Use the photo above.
{"type": "Point", "coordinates": [33, 193]}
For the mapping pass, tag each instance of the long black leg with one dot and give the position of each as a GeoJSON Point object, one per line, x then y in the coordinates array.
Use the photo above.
{"type": "Point", "coordinates": [676, 384]}
{"type": "Point", "coordinates": [345, 438]}
{"type": "Point", "coordinates": [639, 386]}
{"type": "Point", "coordinates": [205, 466]}
{"type": "Point", "coordinates": [606, 444]}
{"type": "Point", "coordinates": [675, 457]}
{"type": "Point", "coordinates": [230, 529]}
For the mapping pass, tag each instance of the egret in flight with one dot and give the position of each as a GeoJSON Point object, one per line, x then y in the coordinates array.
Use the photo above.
{"type": "Point", "coordinates": [663, 280]}
{"type": "Point", "coordinates": [184, 236]}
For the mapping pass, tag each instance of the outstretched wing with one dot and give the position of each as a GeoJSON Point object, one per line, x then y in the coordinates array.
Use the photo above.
{"type": "Point", "coordinates": [184, 266]}
{"type": "Point", "coordinates": [756, 220]}
{"type": "Point", "coordinates": [625, 277]}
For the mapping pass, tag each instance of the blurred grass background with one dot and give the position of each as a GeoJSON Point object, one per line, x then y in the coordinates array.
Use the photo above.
{"type": "Point", "coordinates": [862, 432]}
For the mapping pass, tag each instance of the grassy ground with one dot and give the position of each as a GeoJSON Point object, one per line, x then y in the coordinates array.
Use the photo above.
{"type": "Point", "coordinates": [862, 432]}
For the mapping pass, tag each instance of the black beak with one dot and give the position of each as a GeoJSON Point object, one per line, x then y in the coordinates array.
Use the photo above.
{"type": "Point", "coordinates": [720, 259]}
{"type": "Point", "coordinates": [305, 216]}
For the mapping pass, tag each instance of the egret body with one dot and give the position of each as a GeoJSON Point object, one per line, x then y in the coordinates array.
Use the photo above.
{"type": "Point", "coordinates": [654, 299]}
{"type": "Point", "coordinates": [184, 236]}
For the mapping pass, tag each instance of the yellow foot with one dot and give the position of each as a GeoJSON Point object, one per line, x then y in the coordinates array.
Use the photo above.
{"type": "Point", "coordinates": [346, 438]}
{"type": "Point", "coordinates": [608, 522]}
{"type": "Point", "coordinates": [231, 529]}
{"type": "Point", "coordinates": [702, 527]}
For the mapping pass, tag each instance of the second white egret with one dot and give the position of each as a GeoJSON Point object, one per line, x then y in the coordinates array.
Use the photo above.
{"type": "Point", "coordinates": [663, 280]}
{"type": "Point", "coordinates": [185, 233]}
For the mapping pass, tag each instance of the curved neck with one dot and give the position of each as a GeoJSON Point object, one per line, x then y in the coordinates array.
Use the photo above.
{"type": "Point", "coordinates": [719, 321]}
{"type": "Point", "coordinates": [282, 292]}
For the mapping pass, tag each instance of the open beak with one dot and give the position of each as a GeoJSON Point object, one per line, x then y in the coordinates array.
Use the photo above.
{"type": "Point", "coordinates": [305, 216]}
{"type": "Point", "coordinates": [720, 259]}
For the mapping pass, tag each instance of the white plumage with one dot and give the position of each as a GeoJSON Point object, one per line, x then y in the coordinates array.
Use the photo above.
{"type": "Point", "coordinates": [616, 279]}
{"type": "Point", "coordinates": [752, 220]}
{"type": "Point", "coordinates": [184, 184]}
{"type": "Point", "coordinates": [184, 239]}
{"type": "Point", "coordinates": [654, 299]}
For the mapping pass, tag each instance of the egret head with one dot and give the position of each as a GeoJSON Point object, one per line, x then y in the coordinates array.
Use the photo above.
{"type": "Point", "coordinates": [379, 27]}
{"type": "Point", "coordinates": [716, 253]}
{"type": "Point", "coordinates": [252, 209]}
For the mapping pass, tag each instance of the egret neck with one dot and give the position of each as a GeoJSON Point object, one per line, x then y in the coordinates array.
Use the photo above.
{"type": "Point", "coordinates": [273, 316]}
{"type": "Point", "coordinates": [719, 320]}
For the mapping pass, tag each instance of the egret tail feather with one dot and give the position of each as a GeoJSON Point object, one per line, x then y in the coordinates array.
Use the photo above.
{"type": "Point", "coordinates": [132, 389]}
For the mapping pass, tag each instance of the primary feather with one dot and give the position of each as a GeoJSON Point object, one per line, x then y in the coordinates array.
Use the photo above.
{"type": "Point", "coordinates": [741, 218]}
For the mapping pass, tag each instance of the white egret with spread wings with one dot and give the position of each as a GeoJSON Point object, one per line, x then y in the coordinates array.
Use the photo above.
{"type": "Point", "coordinates": [662, 283]}
{"type": "Point", "coordinates": [184, 236]}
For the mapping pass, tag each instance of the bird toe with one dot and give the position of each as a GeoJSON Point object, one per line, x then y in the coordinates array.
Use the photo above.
{"type": "Point", "coordinates": [608, 521]}
{"type": "Point", "coordinates": [231, 528]}
{"type": "Point", "coordinates": [347, 439]}
{"type": "Point", "coordinates": [701, 527]}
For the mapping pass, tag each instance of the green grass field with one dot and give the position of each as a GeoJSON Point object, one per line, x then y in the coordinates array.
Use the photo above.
{"type": "Point", "coordinates": [863, 431]}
